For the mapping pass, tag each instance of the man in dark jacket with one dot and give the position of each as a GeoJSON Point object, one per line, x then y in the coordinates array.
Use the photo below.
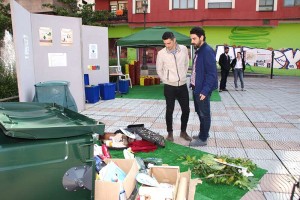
{"type": "Point", "coordinates": [224, 62]}
{"type": "Point", "coordinates": [204, 80]}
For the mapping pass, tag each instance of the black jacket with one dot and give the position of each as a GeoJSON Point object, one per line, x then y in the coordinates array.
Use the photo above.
{"type": "Point", "coordinates": [224, 62]}
{"type": "Point", "coordinates": [233, 63]}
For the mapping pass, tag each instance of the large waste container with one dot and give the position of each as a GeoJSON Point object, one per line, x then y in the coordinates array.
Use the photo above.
{"type": "Point", "coordinates": [55, 92]}
{"type": "Point", "coordinates": [46, 152]}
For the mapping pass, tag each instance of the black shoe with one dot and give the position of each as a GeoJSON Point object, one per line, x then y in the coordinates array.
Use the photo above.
{"type": "Point", "coordinates": [225, 89]}
{"type": "Point", "coordinates": [220, 90]}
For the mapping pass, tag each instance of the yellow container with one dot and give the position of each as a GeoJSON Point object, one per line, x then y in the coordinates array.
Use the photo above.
{"type": "Point", "coordinates": [126, 68]}
{"type": "Point", "coordinates": [142, 78]}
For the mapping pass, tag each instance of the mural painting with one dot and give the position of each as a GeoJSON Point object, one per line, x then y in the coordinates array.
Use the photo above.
{"type": "Point", "coordinates": [283, 59]}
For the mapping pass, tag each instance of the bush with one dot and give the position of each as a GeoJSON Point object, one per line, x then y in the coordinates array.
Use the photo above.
{"type": "Point", "coordinates": [114, 62]}
{"type": "Point", "coordinates": [8, 84]}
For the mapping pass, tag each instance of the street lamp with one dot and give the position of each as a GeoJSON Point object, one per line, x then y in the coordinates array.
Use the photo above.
{"type": "Point", "coordinates": [145, 8]}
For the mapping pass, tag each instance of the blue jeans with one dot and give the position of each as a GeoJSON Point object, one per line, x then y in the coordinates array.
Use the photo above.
{"type": "Point", "coordinates": [238, 73]}
{"type": "Point", "coordinates": [202, 108]}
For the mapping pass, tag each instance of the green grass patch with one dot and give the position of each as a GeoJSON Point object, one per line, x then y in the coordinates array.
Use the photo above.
{"type": "Point", "coordinates": [155, 92]}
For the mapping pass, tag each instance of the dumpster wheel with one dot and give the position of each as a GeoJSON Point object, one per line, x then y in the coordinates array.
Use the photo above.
{"type": "Point", "coordinates": [79, 177]}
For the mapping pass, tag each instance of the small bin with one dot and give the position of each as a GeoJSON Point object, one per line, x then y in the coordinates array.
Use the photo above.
{"type": "Point", "coordinates": [107, 91]}
{"type": "Point", "coordinates": [142, 79]}
{"type": "Point", "coordinates": [123, 86]}
{"type": "Point", "coordinates": [86, 79]}
{"type": "Point", "coordinates": [92, 94]}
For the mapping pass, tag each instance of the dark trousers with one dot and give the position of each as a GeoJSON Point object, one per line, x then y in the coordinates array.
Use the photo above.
{"type": "Point", "coordinates": [182, 95]}
{"type": "Point", "coordinates": [202, 108]}
{"type": "Point", "coordinates": [224, 75]}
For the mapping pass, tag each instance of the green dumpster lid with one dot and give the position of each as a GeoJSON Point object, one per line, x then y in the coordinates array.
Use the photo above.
{"type": "Point", "coordinates": [33, 120]}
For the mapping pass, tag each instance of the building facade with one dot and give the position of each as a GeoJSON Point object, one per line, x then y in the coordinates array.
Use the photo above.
{"type": "Point", "coordinates": [255, 23]}
{"type": "Point", "coordinates": [205, 12]}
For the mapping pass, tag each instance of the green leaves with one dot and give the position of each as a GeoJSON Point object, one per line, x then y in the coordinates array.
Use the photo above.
{"type": "Point", "coordinates": [86, 12]}
{"type": "Point", "coordinates": [222, 169]}
{"type": "Point", "coordinates": [5, 19]}
{"type": "Point", "coordinates": [8, 84]}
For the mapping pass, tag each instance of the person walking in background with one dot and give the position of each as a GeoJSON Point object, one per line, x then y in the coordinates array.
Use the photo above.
{"type": "Point", "coordinates": [172, 65]}
{"type": "Point", "coordinates": [224, 62]}
{"type": "Point", "coordinates": [204, 80]}
{"type": "Point", "coordinates": [238, 67]}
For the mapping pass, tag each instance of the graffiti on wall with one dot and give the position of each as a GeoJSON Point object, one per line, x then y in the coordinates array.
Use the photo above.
{"type": "Point", "coordinates": [283, 59]}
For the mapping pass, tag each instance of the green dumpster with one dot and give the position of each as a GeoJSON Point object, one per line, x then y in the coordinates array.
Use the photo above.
{"type": "Point", "coordinates": [46, 152]}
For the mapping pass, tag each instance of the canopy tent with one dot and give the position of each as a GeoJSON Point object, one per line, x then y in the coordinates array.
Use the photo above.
{"type": "Point", "coordinates": [150, 37]}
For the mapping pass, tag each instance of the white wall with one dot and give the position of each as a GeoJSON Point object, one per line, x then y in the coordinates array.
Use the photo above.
{"type": "Point", "coordinates": [96, 36]}
{"type": "Point", "coordinates": [24, 52]}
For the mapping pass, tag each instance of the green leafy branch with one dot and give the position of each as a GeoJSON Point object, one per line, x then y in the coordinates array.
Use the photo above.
{"type": "Point", "coordinates": [222, 169]}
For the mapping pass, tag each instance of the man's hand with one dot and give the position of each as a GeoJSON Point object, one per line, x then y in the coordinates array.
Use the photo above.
{"type": "Point", "coordinates": [202, 97]}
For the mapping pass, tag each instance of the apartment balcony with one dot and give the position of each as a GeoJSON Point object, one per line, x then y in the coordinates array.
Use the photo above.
{"type": "Point", "coordinates": [119, 16]}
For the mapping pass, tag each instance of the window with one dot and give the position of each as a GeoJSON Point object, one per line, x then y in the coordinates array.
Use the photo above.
{"type": "Point", "coordinates": [139, 6]}
{"type": "Point", "coordinates": [118, 5]}
{"type": "Point", "coordinates": [289, 3]}
{"type": "Point", "coordinates": [183, 4]}
{"type": "Point", "coordinates": [219, 3]}
{"type": "Point", "coordinates": [266, 5]}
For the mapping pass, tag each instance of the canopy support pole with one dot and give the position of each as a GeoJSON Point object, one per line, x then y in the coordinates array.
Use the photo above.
{"type": "Point", "coordinates": [192, 52]}
{"type": "Point", "coordinates": [118, 54]}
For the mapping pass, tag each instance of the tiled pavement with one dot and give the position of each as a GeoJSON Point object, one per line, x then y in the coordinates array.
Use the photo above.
{"type": "Point", "coordinates": [262, 123]}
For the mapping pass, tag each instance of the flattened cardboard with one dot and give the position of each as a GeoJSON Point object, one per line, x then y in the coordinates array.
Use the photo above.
{"type": "Point", "coordinates": [106, 190]}
{"type": "Point", "coordinates": [171, 175]}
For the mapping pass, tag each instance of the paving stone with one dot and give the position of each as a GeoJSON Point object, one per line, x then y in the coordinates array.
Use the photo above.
{"type": "Point", "coordinates": [228, 143]}
{"type": "Point", "coordinates": [253, 195]}
{"type": "Point", "coordinates": [226, 135]}
{"type": "Point", "coordinates": [273, 166]}
{"type": "Point", "coordinates": [245, 129]}
{"type": "Point", "coordinates": [264, 124]}
{"type": "Point", "coordinates": [277, 137]}
{"type": "Point", "coordinates": [249, 136]}
{"type": "Point", "coordinates": [257, 144]}
{"type": "Point", "coordinates": [242, 123]}
{"type": "Point", "coordinates": [232, 152]}
{"type": "Point", "coordinates": [285, 145]}
{"type": "Point", "coordinates": [288, 155]}
{"type": "Point", "coordinates": [276, 183]}
{"type": "Point", "coordinates": [279, 196]}
{"type": "Point", "coordinates": [293, 167]}
{"type": "Point", "coordinates": [223, 128]}
{"type": "Point", "coordinates": [260, 154]}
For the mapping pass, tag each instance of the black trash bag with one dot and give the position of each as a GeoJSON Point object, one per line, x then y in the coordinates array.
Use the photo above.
{"type": "Point", "coordinates": [147, 135]}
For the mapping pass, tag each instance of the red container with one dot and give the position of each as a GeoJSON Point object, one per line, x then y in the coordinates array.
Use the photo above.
{"type": "Point", "coordinates": [146, 81]}
{"type": "Point", "coordinates": [156, 81]}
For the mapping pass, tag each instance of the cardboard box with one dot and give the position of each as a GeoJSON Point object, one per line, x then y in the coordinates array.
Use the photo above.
{"type": "Point", "coordinates": [106, 190]}
{"type": "Point", "coordinates": [184, 186]}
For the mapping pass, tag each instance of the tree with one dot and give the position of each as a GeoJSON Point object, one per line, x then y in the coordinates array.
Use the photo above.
{"type": "Point", "coordinates": [86, 12]}
{"type": "Point", "coordinates": [5, 19]}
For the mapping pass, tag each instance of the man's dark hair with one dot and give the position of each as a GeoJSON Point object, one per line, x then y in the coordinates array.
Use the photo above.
{"type": "Point", "coordinates": [226, 47]}
{"type": "Point", "coordinates": [168, 35]}
{"type": "Point", "coordinates": [198, 31]}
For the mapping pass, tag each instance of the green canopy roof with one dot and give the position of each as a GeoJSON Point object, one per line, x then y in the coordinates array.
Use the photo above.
{"type": "Point", "coordinates": [151, 37]}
